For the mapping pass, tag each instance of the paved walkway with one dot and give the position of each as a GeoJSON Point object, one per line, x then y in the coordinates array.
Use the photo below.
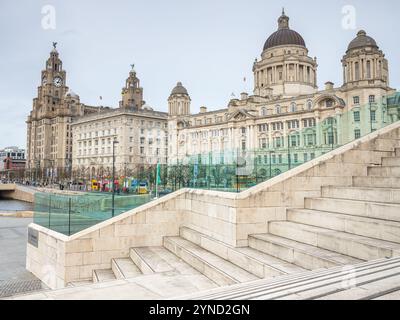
{"type": "Point", "coordinates": [14, 278]}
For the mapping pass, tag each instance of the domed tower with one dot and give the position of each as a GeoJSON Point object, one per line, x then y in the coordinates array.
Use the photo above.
{"type": "Point", "coordinates": [285, 67]}
{"type": "Point", "coordinates": [132, 93]}
{"type": "Point", "coordinates": [179, 101]}
{"type": "Point", "coordinates": [364, 64]}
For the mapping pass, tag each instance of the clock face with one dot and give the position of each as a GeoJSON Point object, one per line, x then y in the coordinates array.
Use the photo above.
{"type": "Point", "coordinates": [58, 82]}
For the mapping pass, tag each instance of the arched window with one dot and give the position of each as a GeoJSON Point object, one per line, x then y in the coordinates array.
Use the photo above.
{"type": "Point", "coordinates": [309, 105]}
{"type": "Point", "coordinates": [278, 109]}
{"type": "Point", "coordinates": [293, 107]}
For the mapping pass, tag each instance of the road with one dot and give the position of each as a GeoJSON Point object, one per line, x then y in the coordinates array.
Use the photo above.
{"type": "Point", "coordinates": [14, 278]}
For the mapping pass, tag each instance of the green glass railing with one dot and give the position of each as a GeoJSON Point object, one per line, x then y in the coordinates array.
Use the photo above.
{"type": "Point", "coordinates": [69, 214]}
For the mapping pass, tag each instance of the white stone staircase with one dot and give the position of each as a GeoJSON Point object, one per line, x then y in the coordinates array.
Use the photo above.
{"type": "Point", "coordinates": [345, 226]}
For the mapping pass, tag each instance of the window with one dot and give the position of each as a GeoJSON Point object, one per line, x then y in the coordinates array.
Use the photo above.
{"type": "Point", "coordinates": [368, 69]}
{"type": "Point", "coordinates": [293, 107]}
{"type": "Point", "coordinates": [356, 100]}
{"type": "Point", "coordinates": [309, 105]}
{"type": "Point", "coordinates": [263, 112]}
{"type": "Point", "coordinates": [329, 103]}
{"type": "Point", "coordinates": [243, 145]}
{"type": "Point", "coordinates": [243, 130]}
{"type": "Point", "coordinates": [373, 115]}
{"type": "Point", "coordinates": [371, 99]}
{"type": "Point", "coordinates": [356, 116]}
{"type": "Point", "coordinates": [305, 157]}
{"type": "Point", "coordinates": [263, 143]}
{"type": "Point", "coordinates": [357, 71]}
{"type": "Point", "coordinates": [357, 134]}
{"type": "Point", "coordinates": [278, 109]}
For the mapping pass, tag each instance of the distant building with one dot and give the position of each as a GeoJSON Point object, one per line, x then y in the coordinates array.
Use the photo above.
{"type": "Point", "coordinates": [12, 158]}
{"type": "Point", "coordinates": [49, 133]}
{"type": "Point", "coordinates": [140, 131]}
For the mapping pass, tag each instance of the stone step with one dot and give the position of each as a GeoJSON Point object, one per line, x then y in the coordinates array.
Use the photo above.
{"type": "Point", "coordinates": [158, 260]}
{"type": "Point", "coordinates": [332, 285]}
{"type": "Point", "coordinates": [212, 266]}
{"type": "Point", "coordinates": [298, 253]}
{"type": "Point", "coordinates": [387, 195]}
{"type": "Point", "coordinates": [125, 268]}
{"type": "Point", "coordinates": [311, 283]}
{"type": "Point", "coordinates": [360, 247]}
{"type": "Point", "coordinates": [103, 275]}
{"type": "Point", "coordinates": [377, 210]}
{"type": "Point", "coordinates": [374, 288]}
{"type": "Point", "coordinates": [383, 144]}
{"type": "Point", "coordinates": [376, 182]}
{"type": "Point", "coordinates": [368, 227]}
{"type": "Point", "coordinates": [254, 261]}
{"type": "Point", "coordinates": [384, 171]}
{"type": "Point", "coordinates": [391, 162]}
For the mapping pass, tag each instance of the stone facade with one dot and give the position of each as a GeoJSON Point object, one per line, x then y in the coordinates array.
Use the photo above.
{"type": "Point", "coordinates": [287, 109]}
{"type": "Point", "coordinates": [49, 131]}
{"type": "Point", "coordinates": [140, 131]}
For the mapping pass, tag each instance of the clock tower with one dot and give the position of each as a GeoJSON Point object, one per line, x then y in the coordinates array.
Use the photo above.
{"type": "Point", "coordinates": [49, 139]}
{"type": "Point", "coordinates": [132, 93]}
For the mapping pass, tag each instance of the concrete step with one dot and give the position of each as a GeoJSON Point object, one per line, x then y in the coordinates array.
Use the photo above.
{"type": "Point", "coordinates": [377, 210]}
{"type": "Point", "coordinates": [158, 260]}
{"type": "Point", "coordinates": [103, 275]}
{"type": "Point", "coordinates": [298, 253]}
{"type": "Point", "coordinates": [360, 247]}
{"type": "Point", "coordinates": [125, 268]}
{"type": "Point", "coordinates": [368, 227]}
{"type": "Point", "coordinates": [386, 144]}
{"type": "Point", "coordinates": [391, 162]}
{"type": "Point", "coordinates": [384, 171]}
{"type": "Point", "coordinates": [386, 195]}
{"type": "Point", "coordinates": [254, 261]}
{"type": "Point", "coordinates": [212, 266]}
{"type": "Point", "coordinates": [312, 285]}
{"type": "Point", "coordinates": [376, 182]}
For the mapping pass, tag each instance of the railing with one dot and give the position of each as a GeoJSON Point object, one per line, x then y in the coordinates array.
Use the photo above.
{"type": "Point", "coordinates": [69, 214]}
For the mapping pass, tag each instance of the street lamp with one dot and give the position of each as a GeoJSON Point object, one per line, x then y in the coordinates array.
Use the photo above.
{"type": "Point", "coordinates": [113, 178]}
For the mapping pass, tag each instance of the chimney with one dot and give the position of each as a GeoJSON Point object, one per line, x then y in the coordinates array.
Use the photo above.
{"type": "Point", "coordinates": [329, 85]}
{"type": "Point", "coordinates": [203, 109]}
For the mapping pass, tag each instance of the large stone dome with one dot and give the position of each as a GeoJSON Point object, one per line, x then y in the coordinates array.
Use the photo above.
{"type": "Point", "coordinates": [362, 40]}
{"type": "Point", "coordinates": [284, 35]}
{"type": "Point", "coordinates": [179, 89]}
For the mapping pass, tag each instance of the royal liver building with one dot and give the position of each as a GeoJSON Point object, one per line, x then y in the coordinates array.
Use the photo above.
{"type": "Point", "coordinates": [287, 119]}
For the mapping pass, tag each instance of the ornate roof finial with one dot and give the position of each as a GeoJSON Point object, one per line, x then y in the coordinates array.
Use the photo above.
{"type": "Point", "coordinates": [133, 66]}
{"type": "Point", "coordinates": [55, 45]}
{"type": "Point", "coordinates": [283, 21]}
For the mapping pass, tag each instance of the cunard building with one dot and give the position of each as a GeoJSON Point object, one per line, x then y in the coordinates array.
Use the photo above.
{"type": "Point", "coordinates": [287, 119]}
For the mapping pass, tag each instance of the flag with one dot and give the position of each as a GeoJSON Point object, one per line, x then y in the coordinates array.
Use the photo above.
{"type": "Point", "coordinates": [158, 175]}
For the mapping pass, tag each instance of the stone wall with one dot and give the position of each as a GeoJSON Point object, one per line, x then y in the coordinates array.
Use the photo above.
{"type": "Point", "coordinates": [15, 192]}
{"type": "Point", "coordinates": [226, 217]}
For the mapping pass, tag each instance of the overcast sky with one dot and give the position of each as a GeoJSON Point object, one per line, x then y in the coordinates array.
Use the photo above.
{"type": "Point", "coordinates": [209, 45]}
